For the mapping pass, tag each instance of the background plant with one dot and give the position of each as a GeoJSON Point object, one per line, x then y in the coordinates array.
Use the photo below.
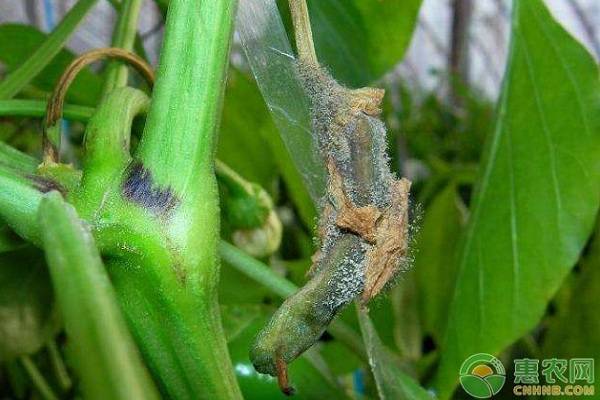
{"type": "Point", "coordinates": [504, 222]}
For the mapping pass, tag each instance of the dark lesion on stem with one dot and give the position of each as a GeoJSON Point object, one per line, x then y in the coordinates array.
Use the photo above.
{"type": "Point", "coordinates": [140, 188]}
{"type": "Point", "coordinates": [45, 185]}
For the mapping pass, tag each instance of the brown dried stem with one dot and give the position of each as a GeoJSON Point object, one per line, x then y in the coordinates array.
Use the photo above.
{"type": "Point", "coordinates": [56, 101]}
{"type": "Point", "coordinates": [282, 377]}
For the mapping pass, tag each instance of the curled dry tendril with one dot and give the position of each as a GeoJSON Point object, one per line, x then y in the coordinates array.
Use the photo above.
{"type": "Point", "coordinates": [51, 141]}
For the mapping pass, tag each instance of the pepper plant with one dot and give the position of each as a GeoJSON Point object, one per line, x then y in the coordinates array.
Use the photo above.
{"type": "Point", "coordinates": [134, 264]}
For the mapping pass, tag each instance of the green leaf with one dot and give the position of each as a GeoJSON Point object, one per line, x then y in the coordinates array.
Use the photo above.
{"type": "Point", "coordinates": [237, 317]}
{"type": "Point", "coordinates": [241, 145]}
{"type": "Point", "coordinates": [407, 332]}
{"type": "Point", "coordinates": [357, 40]}
{"type": "Point", "coordinates": [43, 54]}
{"type": "Point", "coordinates": [573, 332]}
{"type": "Point", "coordinates": [235, 287]}
{"type": "Point", "coordinates": [537, 196]}
{"type": "Point", "coordinates": [103, 351]}
{"type": "Point", "coordinates": [27, 317]}
{"type": "Point", "coordinates": [249, 143]}
{"type": "Point", "coordinates": [392, 383]}
{"type": "Point", "coordinates": [435, 266]}
{"type": "Point", "coordinates": [339, 358]}
{"type": "Point", "coordinates": [17, 42]}
{"type": "Point", "coordinates": [360, 40]}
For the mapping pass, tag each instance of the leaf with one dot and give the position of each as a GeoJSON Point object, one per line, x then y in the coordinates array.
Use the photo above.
{"type": "Point", "coordinates": [43, 54]}
{"type": "Point", "coordinates": [250, 144]}
{"type": "Point", "coordinates": [103, 351]}
{"type": "Point", "coordinates": [241, 145]}
{"type": "Point", "coordinates": [237, 317]}
{"type": "Point", "coordinates": [359, 40]}
{"type": "Point", "coordinates": [392, 383]}
{"type": "Point", "coordinates": [407, 327]}
{"type": "Point", "coordinates": [434, 267]}
{"type": "Point", "coordinates": [339, 358]}
{"type": "Point", "coordinates": [18, 42]}
{"type": "Point", "coordinates": [235, 287]}
{"type": "Point", "coordinates": [537, 196]}
{"type": "Point", "coordinates": [27, 317]}
{"type": "Point", "coordinates": [573, 332]}
{"type": "Point", "coordinates": [269, 55]}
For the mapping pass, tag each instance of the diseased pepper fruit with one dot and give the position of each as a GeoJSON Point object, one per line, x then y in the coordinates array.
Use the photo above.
{"type": "Point", "coordinates": [363, 227]}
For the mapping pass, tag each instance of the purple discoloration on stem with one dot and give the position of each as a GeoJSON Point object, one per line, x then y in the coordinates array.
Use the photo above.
{"type": "Point", "coordinates": [139, 188]}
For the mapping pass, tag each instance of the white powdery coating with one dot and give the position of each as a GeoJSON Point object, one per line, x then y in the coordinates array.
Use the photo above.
{"type": "Point", "coordinates": [347, 282]}
{"type": "Point", "coordinates": [381, 189]}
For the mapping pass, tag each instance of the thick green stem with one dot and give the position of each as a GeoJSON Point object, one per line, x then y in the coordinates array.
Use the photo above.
{"type": "Point", "coordinates": [174, 162]}
{"type": "Point", "coordinates": [179, 138]}
{"type": "Point", "coordinates": [107, 147]}
{"type": "Point", "coordinates": [124, 37]}
{"type": "Point", "coordinates": [19, 78]}
{"type": "Point", "coordinates": [180, 335]}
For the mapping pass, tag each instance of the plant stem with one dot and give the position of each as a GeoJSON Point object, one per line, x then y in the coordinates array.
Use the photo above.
{"type": "Point", "coordinates": [103, 351]}
{"type": "Point", "coordinates": [38, 380]}
{"type": "Point", "coordinates": [176, 154]}
{"type": "Point", "coordinates": [19, 78]}
{"type": "Point", "coordinates": [179, 137]}
{"type": "Point", "coordinates": [17, 160]}
{"type": "Point", "coordinates": [37, 108]}
{"type": "Point", "coordinates": [124, 38]}
{"type": "Point", "coordinates": [58, 365]}
{"type": "Point", "coordinates": [19, 200]}
{"type": "Point", "coordinates": [231, 179]}
{"type": "Point", "coordinates": [284, 288]}
{"type": "Point", "coordinates": [303, 31]}
{"type": "Point", "coordinates": [256, 270]}
{"type": "Point", "coordinates": [139, 42]}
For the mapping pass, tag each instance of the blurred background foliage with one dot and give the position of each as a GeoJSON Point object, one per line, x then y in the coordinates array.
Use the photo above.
{"type": "Point", "coordinates": [441, 68]}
